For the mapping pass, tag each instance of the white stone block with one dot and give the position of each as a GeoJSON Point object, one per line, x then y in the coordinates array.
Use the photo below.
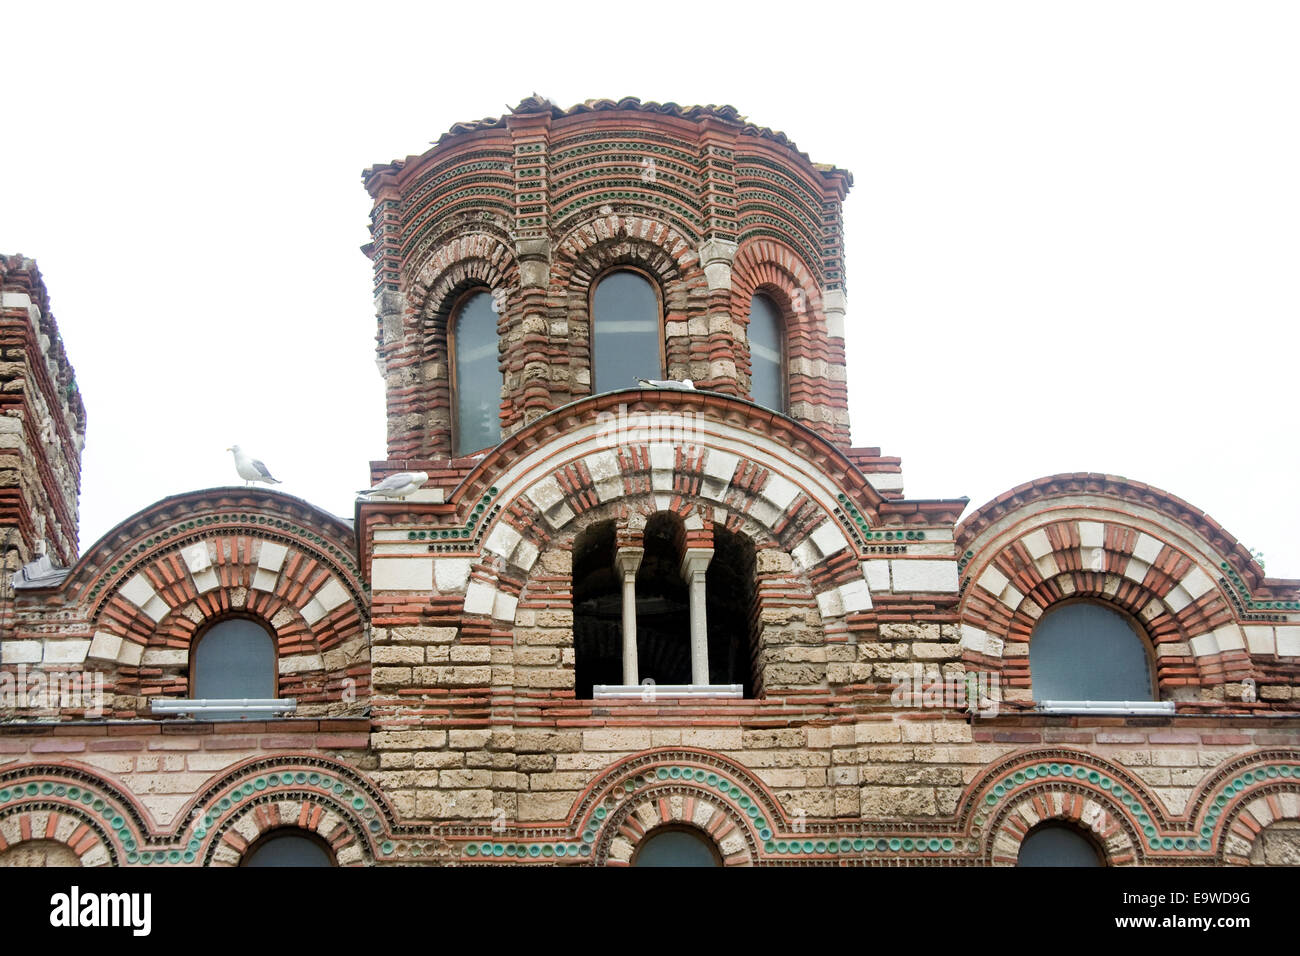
{"type": "Point", "coordinates": [66, 651]}
{"type": "Point", "coordinates": [432, 495]}
{"type": "Point", "coordinates": [720, 465]}
{"type": "Point", "coordinates": [855, 596]}
{"type": "Point", "coordinates": [1136, 570]}
{"type": "Point", "coordinates": [974, 639]}
{"type": "Point", "coordinates": [559, 517]}
{"type": "Point", "coordinates": [1092, 534]}
{"type": "Point", "coordinates": [804, 555]}
{"type": "Point", "coordinates": [1259, 639]}
{"type": "Point", "coordinates": [1288, 641]}
{"type": "Point", "coordinates": [401, 574]}
{"type": "Point", "coordinates": [1196, 582]}
{"type": "Point", "coordinates": [1036, 543]}
{"type": "Point", "coordinates": [138, 590]}
{"type": "Point", "coordinates": [20, 652]}
{"type": "Point", "coordinates": [15, 300]}
{"type": "Point", "coordinates": [917, 575]}
{"type": "Point", "coordinates": [830, 605]}
{"type": "Point", "coordinates": [205, 581]}
{"type": "Point", "coordinates": [1147, 548]}
{"type": "Point", "coordinates": [299, 663]}
{"type": "Point", "coordinates": [602, 465]}
{"type": "Point", "coordinates": [271, 557]}
{"type": "Point", "coordinates": [130, 654]}
{"type": "Point", "coordinates": [197, 558]}
{"type": "Point", "coordinates": [525, 555]}
{"type": "Point", "coordinates": [779, 491]}
{"type": "Point", "coordinates": [479, 598]}
{"type": "Point", "coordinates": [503, 540]}
{"type": "Point", "coordinates": [828, 539]}
{"type": "Point", "coordinates": [312, 612]}
{"type": "Point", "coordinates": [993, 581]}
{"type": "Point", "coordinates": [886, 480]}
{"type": "Point", "coordinates": [1011, 597]}
{"type": "Point", "coordinates": [546, 494]}
{"type": "Point", "coordinates": [662, 457]}
{"type": "Point", "coordinates": [1177, 598]}
{"type": "Point", "coordinates": [1229, 638]}
{"type": "Point", "coordinates": [1204, 645]}
{"type": "Point", "coordinates": [156, 608]}
{"type": "Point", "coordinates": [332, 594]}
{"type": "Point", "coordinates": [659, 481]}
{"type": "Point", "coordinates": [503, 607]}
{"type": "Point", "coordinates": [877, 574]}
{"type": "Point", "coordinates": [105, 646]}
{"type": "Point", "coordinates": [764, 513]}
{"type": "Point", "coordinates": [451, 574]}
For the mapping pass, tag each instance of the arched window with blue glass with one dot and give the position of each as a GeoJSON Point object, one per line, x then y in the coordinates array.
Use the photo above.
{"type": "Point", "coordinates": [475, 373]}
{"type": "Point", "coordinates": [234, 659]}
{"type": "Point", "coordinates": [1087, 651]}
{"type": "Point", "coordinates": [627, 340]}
{"type": "Point", "coordinates": [767, 353]}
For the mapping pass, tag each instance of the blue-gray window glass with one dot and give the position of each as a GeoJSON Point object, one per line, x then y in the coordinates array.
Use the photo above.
{"type": "Point", "coordinates": [766, 328]}
{"type": "Point", "coordinates": [1088, 652]}
{"type": "Point", "coordinates": [478, 375]}
{"type": "Point", "coordinates": [234, 659]}
{"type": "Point", "coordinates": [1053, 844]}
{"type": "Point", "coordinates": [625, 332]}
{"type": "Point", "coordinates": [675, 848]}
{"type": "Point", "coordinates": [289, 849]}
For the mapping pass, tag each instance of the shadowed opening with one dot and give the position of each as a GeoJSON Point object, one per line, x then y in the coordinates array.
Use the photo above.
{"type": "Point", "coordinates": [732, 611]}
{"type": "Point", "coordinates": [597, 611]}
{"type": "Point", "coordinates": [663, 614]}
{"type": "Point", "coordinates": [1058, 844]}
{"type": "Point", "coordinates": [676, 846]}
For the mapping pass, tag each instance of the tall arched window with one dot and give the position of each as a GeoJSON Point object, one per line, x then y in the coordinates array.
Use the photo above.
{"type": "Point", "coordinates": [663, 613]}
{"type": "Point", "coordinates": [476, 374]}
{"type": "Point", "coordinates": [288, 847]}
{"type": "Point", "coordinates": [597, 611]}
{"type": "Point", "coordinates": [766, 353]}
{"type": "Point", "coordinates": [733, 614]}
{"type": "Point", "coordinates": [1085, 651]}
{"type": "Point", "coordinates": [676, 846]}
{"type": "Point", "coordinates": [234, 659]}
{"type": "Point", "coordinates": [626, 333]}
{"type": "Point", "coordinates": [1057, 844]}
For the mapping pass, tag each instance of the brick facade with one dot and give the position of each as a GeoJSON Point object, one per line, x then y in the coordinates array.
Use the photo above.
{"type": "Point", "coordinates": [433, 644]}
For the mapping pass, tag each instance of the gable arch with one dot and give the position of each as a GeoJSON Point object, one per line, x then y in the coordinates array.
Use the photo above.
{"type": "Point", "coordinates": [1125, 545]}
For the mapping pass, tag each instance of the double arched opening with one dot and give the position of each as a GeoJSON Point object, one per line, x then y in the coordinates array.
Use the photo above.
{"type": "Point", "coordinates": [663, 612]}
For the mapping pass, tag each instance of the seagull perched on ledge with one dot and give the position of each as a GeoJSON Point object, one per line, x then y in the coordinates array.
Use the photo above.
{"type": "Point", "coordinates": [397, 486]}
{"type": "Point", "coordinates": [685, 385]}
{"type": "Point", "coordinates": [250, 469]}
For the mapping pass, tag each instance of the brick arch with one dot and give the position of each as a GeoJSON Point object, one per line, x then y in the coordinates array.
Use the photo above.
{"type": "Point", "coordinates": [701, 789]}
{"type": "Point", "coordinates": [1241, 797]}
{"type": "Point", "coordinates": [470, 259]}
{"type": "Point", "coordinates": [306, 792]}
{"type": "Point", "coordinates": [1044, 552]}
{"type": "Point", "coordinates": [74, 806]}
{"type": "Point", "coordinates": [814, 391]}
{"type": "Point", "coordinates": [588, 251]}
{"type": "Point", "coordinates": [1025, 789]}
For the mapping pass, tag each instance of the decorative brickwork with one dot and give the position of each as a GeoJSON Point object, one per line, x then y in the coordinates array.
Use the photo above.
{"type": "Point", "coordinates": [860, 687]}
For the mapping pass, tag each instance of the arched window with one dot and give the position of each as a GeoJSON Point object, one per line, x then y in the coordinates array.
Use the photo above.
{"type": "Point", "coordinates": [676, 846]}
{"type": "Point", "coordinates": [597, 611]}
{"type": "Point", "coordinates": [626, 335]}
{"type": "Point", "coordinates": [288, 847]}
{"type": "Point", "coordinates": [476, 374]}
{"type": "Point", "coordinates": [766, 353]}
{"type": "Point", "coordinates": [1086, 651]}
{"type": "Point", "coordinates": [234, 659]}
{"type": "Point", "coordinates": [732, 602]}
{"type": "Point", "coordinates": [663, 613]}
{"type": "Point", "coordinates": [1057, 844]}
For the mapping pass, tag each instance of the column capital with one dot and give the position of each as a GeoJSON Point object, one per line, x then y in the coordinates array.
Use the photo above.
{"type": "Point", "coordinates": [628, 560]}
{"type": "Point", "coordinates": [695, 561]}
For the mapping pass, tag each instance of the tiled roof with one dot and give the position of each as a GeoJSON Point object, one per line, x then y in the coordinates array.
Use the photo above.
{"type": "Point", "coordinates": [539, 104]}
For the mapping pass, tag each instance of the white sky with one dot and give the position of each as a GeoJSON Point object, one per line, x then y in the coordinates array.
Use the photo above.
{"type": "Point", "coordinates": [1073, 241]}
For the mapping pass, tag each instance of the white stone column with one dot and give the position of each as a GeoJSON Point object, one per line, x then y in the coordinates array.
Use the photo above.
{"type": "Point", "coordinates": [695, 562]}
{"type": "Point", "coordinates": [628, 560]}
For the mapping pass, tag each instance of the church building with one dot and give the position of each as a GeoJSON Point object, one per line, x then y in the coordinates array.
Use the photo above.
{"type": "Point", "coordinates": [637, 599]}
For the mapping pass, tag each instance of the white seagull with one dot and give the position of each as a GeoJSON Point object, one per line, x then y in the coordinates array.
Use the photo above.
{"type": "Point", "coordinates": [250, 469]}
{"type": "Point", "coordinates": [397, 486]}
{"type": "Point", "coordinates": [685, 385]}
